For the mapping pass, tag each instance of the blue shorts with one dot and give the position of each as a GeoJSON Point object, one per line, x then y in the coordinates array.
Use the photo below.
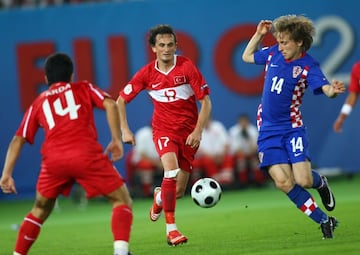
{"type": "Point", "coordinates": [283, 147]}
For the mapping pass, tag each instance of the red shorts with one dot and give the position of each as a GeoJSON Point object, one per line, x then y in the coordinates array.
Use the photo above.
{"type": "Point", "coordinates": [98, 176]}
{"type": "Point", "coordinates": [170, 143]}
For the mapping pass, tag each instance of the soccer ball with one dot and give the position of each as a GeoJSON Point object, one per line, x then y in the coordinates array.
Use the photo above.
{"type": "Point", "coordinates": [206, 192]}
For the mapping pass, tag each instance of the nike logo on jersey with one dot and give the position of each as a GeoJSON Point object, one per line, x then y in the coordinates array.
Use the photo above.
{"type": "Point", "coordinates": [156, 85]}
{"type": "Point", "coordinates": [273, 65]}
{"type": "Point", "coordinates": [297, 154]}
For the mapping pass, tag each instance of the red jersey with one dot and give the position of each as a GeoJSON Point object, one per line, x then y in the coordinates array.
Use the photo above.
{"type": "Point", "coordinates": [173, 94]}
{"type": "Point", "coordinates": [354, 85]}
{"type": "Point", "coordinates": [65, 112]}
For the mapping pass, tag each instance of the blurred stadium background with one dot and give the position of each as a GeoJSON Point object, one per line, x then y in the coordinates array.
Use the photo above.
{"type": "Point", "coordinates": [107, 40]}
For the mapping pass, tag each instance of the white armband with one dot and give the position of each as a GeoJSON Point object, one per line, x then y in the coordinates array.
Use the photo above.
{"type": "Point", "coordinates": [346, 109]}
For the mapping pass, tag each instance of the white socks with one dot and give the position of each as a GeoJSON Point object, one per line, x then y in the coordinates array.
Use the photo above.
{"type": "Point", "coordinates": [121, 248]}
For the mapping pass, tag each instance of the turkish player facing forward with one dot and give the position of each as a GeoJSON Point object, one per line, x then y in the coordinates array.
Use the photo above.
{"type": "Point", "coordinates": [70, 152]}
{"type": "Point", "coordinates": [282, 142]}
{"type": "Point", "coordinates": [174, 85]}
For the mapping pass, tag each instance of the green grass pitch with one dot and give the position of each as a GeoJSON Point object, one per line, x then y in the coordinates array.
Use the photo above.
{"type": "Point", "coordinates": [253, 221]}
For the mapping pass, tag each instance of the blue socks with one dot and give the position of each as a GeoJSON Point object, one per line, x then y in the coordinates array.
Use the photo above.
{"type": "Point", "coordinates": [317, 179]}
{"type": "Point", "coordinates": [305, 202]}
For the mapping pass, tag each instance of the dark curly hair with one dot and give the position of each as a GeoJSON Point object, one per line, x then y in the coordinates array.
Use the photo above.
{"type": "Point", "coordinates": [160, 29]}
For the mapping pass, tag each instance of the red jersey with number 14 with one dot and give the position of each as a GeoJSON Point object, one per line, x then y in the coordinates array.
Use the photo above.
{"type": "Point", "coordinates": [65, 112]}
{"type": "Point", "coordinates": [173, 94]}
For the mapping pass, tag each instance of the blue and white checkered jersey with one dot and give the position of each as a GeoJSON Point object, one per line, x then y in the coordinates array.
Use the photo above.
{"type": "Point", "coordinates": [284, 87]}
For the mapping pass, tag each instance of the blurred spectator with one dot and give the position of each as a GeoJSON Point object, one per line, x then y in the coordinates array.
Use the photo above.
{"type": "Point", "coordinates": [32, 3]}
{"type": "Point", "coordinates": [243, 146]}
{"type": "Point", "coordinates": [44, 3]}
{"type": "Point", "coordinates": [143, 162]}
{"type": "Point", "coordinates": [213, 158]}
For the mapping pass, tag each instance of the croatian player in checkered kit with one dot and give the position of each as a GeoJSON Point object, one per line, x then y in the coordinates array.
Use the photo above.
{"type": "Point", "coordinates": [282, 143]}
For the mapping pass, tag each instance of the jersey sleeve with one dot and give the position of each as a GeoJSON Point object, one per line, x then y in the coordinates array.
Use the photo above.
{"type": "Point", "coordinates": [29, 125]}
{"type": "Point", "coordinates": [197, 81]}
{"type": "Point", "coordinates": [97, 95]}
{"type": "Point", "coordinates": [135, 85]}
{"type": "Point", "coordinates": [261, 56]}
{"type": "Point", "coordinates": [316, 79]}
{"type": "Point", "coordinates": [354, 85]}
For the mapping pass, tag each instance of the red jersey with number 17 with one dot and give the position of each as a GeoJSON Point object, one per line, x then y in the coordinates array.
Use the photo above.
{"type": "Point", "coordinates": [65, 112]}
{"type": "Point", "coordinates": [173, 94]}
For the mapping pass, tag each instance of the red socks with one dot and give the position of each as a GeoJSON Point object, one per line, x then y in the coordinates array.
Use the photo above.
{"type": "Point", "coordinates": [30, 228]}
{"type": "Point", "coordinates": [168, 197]}
{"type": "Point", "coordinates": [121, 222]}
{"type": "Point", "coordinates": [28, 233]}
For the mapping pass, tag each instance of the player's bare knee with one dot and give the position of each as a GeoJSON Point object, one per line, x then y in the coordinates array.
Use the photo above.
{"type": "Point", "coordinates": [45, 204]}
{"type": "Point", "coordinates": [118, 201]}
{"type": "Point", "coordinates": [121, 202]}
{"type": "Point", "coordinates": [129, 202]}
{"type": "Point", "coordinates": [42, 208]}
{"type": "Point", "coordinates": [119, 197]}
{"type": "Point", "coordinates": [304, 183]}
{"type": "Point", "coordinates": [284, 186]}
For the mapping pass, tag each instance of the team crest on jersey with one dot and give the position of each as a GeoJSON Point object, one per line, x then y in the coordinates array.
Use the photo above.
{"type": "Point", "coordinates": [179, 79]}
{"type": "Point", "coordinates": [296, 71]}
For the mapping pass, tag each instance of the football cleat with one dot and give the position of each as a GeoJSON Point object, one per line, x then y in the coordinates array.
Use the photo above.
{"type": "Point", "coordinates": [155, 210]}
{"type": "Point", "coordinates": [327, 197]}
{"type": "Point", "coordinates": [175, 238]}
{"type": "Point", "coordinates": [328, 227]}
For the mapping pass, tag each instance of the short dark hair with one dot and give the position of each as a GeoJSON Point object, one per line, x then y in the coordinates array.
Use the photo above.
{"type": "Point", "coordinates": [58, 68]}
{"type": "Point", "coordinates": [160, 29]}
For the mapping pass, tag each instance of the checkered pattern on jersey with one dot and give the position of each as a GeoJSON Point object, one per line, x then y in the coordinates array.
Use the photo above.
{"type": "Point", "coordinates": [268, 61]}
{"type": "Point", "coordinates": [258, 117]}
{"type": "Point", "coordinates": [299, 90]}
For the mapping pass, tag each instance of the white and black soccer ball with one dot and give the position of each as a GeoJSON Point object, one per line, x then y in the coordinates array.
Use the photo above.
{"type": "Point", "coordinates": [206, 192]}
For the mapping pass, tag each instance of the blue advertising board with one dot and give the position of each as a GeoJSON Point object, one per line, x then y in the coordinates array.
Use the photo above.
{"type": "Point", "coordinates": [108, 42]}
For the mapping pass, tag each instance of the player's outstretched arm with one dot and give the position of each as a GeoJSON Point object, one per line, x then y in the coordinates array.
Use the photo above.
{"type": "Point", "coordinates": [333, 89]}
{"type": "Point", "coordinates": [7, 183]}
{"type": "Point", "coordinates": [262, 29]}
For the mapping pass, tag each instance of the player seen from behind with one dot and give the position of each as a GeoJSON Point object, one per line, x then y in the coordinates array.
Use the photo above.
{"type": "Point", "coordinates": [70, 153]}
